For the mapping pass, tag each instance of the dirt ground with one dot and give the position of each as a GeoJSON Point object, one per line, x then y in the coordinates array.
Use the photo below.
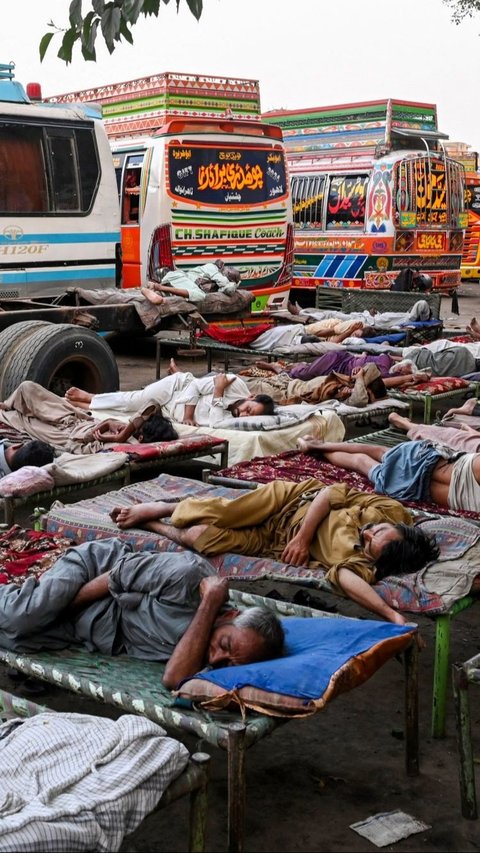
{"type": "Point", "coordinates": [313, 778]}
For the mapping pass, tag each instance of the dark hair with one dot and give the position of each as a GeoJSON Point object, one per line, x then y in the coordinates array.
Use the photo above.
{"type": "Point", "coordinates": [267, 625]}
{"type": "Point", "coordinates": [409, 554]}
{"type": "Point", "coordinates": [35, 453]}
{"type": "Point", "coordinates": [423, 283]}
{"type": "Point", "coordinates": [267, 403]}
{"type": "Point", "coordinates": [157, 428]}
{"type": "Point", "coordinates": [378, 389]}
{"type": "Point", "coordinates": [265, 400]}
{"type": "Point", "coordinates": [232, 274]}
{"type": "Point", "coordinates": [309, 339]}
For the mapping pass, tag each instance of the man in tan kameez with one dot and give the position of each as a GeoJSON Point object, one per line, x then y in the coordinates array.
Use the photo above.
{"type": "Point", "coordinates": [356, 537]}
{"type": "Point", "coordinates": [39, 413]}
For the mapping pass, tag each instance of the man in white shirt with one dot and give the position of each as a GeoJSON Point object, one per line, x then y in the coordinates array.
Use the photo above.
{"type": "Point", "coordinates": [209, 401]}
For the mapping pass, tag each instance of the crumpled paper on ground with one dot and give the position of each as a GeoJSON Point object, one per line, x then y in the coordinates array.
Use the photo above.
{"type": "Point", "coordinates": [388, 827]}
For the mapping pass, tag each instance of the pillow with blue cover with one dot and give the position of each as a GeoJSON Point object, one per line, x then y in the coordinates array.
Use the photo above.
{"type": "Point", "coordinates": [323, 657]}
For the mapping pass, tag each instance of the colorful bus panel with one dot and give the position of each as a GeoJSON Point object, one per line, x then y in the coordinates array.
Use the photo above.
{"type": "Point", "coordinates": [361, 227]}
{"type": "Point", "coordinates": [202, 190]}
{"type": "Point", "coordinates": [471, 245]}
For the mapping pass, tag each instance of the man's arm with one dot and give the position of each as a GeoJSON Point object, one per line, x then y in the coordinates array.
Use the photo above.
{"type": "Point", "coordinates": [92, 591]}
{"type": "Point", "coordinates": [189, 414]}
{"type": "Point", "coordinates": [360, 591]}
{"type": "Point", "coordinates": [114, 430]}
{"type": "Point", "coordinates": [297, 552]}
{"type": "Point", "coordinates": [190, 652]}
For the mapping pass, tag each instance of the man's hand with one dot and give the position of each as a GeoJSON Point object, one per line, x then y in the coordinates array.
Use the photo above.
{"type": "Point", "coordinates": [111, 430]}
{"type": "Point", "coordinates": [214, 589]}
{"type": "Point", "coordinates": [297, 552]}
{"type": "Point", "coordinates": [189, 415]}
{"type": "Point", "coordinates": [222, 381]}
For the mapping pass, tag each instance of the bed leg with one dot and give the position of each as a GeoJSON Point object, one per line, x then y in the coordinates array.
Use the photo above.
{"type": "Point", "coordinates": [199, 805]}
{"type": "Point", "coordinates": [440, 674]}
{"type": "Point", "coordinates": [464, 737]}
{"type": "Point", "coordinates": [236, 787]}
{"type": "Point", "coordinates": [411, 709]}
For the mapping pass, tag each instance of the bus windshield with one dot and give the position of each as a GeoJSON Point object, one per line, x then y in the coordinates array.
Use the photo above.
{"type": "Point", "coordinates": [236, 175]}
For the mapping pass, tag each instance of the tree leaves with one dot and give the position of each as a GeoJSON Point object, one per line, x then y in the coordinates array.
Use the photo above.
{"type": "Point", "coordinates": [462, 9]}
{"type": "Point", "coordinates": [115, 19]}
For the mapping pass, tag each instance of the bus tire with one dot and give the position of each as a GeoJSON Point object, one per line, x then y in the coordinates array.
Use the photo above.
{"type": "Point", "coordinates": [59, 356]}
{"type": "Point", "coordinates": [11, 338]}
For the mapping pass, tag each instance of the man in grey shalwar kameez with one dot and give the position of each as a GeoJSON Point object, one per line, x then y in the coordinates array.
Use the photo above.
{"type": "Point", "coordinates": [148, 605]}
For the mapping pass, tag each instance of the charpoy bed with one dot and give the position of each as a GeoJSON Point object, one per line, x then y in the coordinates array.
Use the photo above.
{"type": "Point", "coordinates": [135, 687]}
{"type": "Point", "coordinates": [72, 473]}
{"type": "Point", "coordinates": [89, 519]}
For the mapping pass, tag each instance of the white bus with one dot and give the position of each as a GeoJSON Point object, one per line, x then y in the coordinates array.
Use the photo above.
{"type": "Point", "coordinates": [199, 190]}
{"type": "Point", "coordinates": [59, 212]}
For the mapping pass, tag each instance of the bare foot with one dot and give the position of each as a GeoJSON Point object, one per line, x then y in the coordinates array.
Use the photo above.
{"type": "Point", "coordinates": [152, 296]}
{"type": "Point", "coordinates": [294, 309]}
{"type": "Point", "coordinates": [172, 367]}
{"type": "Point", "coordinates": [399, 421]}
{"type": "Point", "coordinates": [466, 409]}
{"type": "Point", "coordinates": [309, 443]}
{"type": "Point", "coordinates": [273, 366]}
{"type": "Point", "coordinates": [137, 516]}
{"type": "Point", "coordinates": [77, 395]}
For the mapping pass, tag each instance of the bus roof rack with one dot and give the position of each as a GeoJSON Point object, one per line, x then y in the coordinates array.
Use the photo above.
{"type": "Point", "coordinates": [10, 89]}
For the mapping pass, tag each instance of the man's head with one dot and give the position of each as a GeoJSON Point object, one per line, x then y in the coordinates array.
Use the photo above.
{"type": "Point", "coordinates": [232, 274]}
{"type": "Point", "coordinates": [376, 390]}
{"type": "Point", "coordinates": [402, 368]}
{"type": "Point", "coordinates": [397, 548]}
{"type": "Point", "coordinates": [36, 453]}
{"type": "Point", "coordinates": [254, 635]}
{"type": "Point", "coordinates": [261, 404]}
{"type": "Point", "coordinates": [156, 428]}
{"type": "Point", "coordinates": [422, 282]}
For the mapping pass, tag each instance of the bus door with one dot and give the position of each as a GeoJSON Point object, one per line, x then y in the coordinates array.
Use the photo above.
{"type": "Point", "coordinates": [128, 168]}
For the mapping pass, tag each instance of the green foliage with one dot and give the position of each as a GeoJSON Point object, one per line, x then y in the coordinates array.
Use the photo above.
{"type": "Point", "coordinates": [462, 9]}
{"type": "Point", "coordinates": [115, 19]}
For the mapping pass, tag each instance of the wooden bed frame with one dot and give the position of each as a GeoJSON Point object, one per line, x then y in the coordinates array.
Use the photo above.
{"type": "Point", "coordinates": [135, 686]}
{"type": "Point", "coordinates": [122, 475]}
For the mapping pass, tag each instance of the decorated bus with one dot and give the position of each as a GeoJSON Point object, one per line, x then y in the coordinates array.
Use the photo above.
{"type": "Point", "coordinates": [200, 178]}
{"type": "Point", "coordinates": [373, 193]}
{"type": "Point", "coordinates": [471, 247]}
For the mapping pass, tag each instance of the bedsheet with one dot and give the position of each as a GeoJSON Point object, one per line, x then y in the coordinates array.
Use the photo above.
{"type": "Point", "coordinates": [89, 520]}
{"type": "Point", "coordinates": [245, 444]}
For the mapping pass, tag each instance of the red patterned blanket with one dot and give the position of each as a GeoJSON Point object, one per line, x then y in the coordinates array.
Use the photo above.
{"type": "Point", "coordinates": [296, 466]}
{"type": "Point", "coordinates": [24, 553]}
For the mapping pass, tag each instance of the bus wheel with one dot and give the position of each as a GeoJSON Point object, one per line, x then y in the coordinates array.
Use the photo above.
{"type": "Point", "coordinates": [59, 356]}
{"type": "Point", "coordinates": [13, 337]}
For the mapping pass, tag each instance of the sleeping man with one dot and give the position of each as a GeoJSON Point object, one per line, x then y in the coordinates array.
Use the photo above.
{"type": "Point", "coordinates": [209, 401]}
{"type": "Point", "coordinates": [33, 410]}
{"type": "Point", "coordinates": [420, 470]}
{"type": "Point", "coordinates": [357, 538]}
{"type": "Point", "coordinates": [164, 607]}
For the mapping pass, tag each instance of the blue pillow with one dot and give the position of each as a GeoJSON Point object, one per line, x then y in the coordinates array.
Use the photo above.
{"type": "Point", "coordinates": [315, 650]}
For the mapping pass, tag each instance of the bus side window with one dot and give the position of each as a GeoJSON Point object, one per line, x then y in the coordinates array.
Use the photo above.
{"type": "Point", "coordinates": [23, 186]}
{"type": "Point", "coordinates": [131, 196]}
